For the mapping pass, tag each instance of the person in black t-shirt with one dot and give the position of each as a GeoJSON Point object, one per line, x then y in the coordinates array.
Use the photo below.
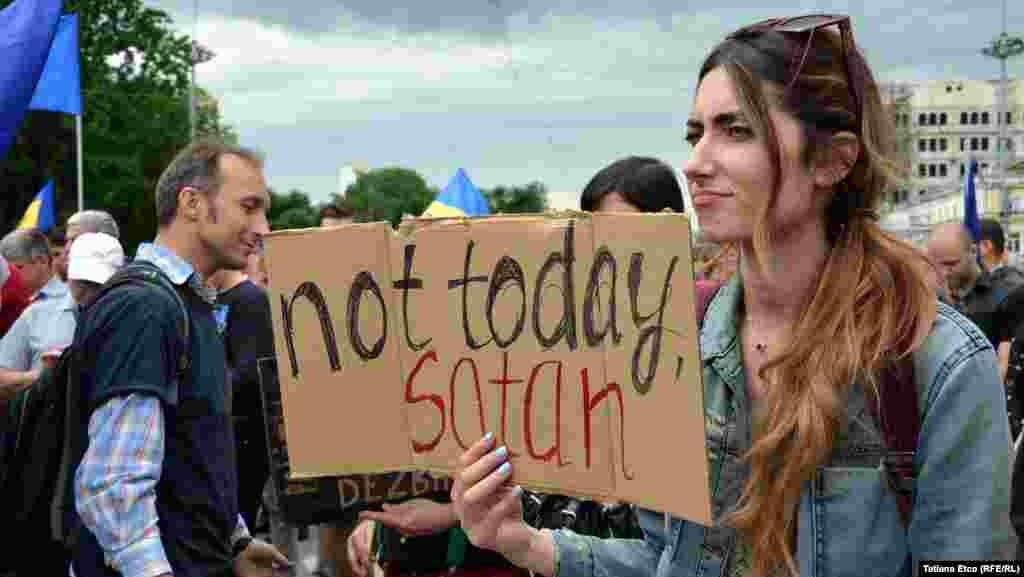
{"type": "Point", "coordinates": [243, 317]}
{"type": "Point", "coordinates": [1014, 378]}
{"type": "Point", "coordinates": [995, 261]}
{"type": "Point", "coordinates": [972, 291]}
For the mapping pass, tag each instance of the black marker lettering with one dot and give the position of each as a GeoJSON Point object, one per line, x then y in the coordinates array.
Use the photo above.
{"type": "Point", "coordinates": [364, 282]}
{"type": "Point", "coordinates": [642, 384]}
{"type": "Point", "coordinates": [507, 270]}
{"type": "Point", "coordinates": [406, 284]}
{"type": "Point", "coordinates": [310, 292]}
{"type": "Point", "coordinates": [464, 283]}
{"type": "Point", "coordinates": [567, 325]}
{"type": "Point", "coordinates": [603, 259]}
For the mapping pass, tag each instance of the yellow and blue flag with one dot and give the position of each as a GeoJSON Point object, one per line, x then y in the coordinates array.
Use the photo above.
{"type": "Point", "coordinates": [39, 214]}
{"type": "Point", "coordinates": [460, 198]}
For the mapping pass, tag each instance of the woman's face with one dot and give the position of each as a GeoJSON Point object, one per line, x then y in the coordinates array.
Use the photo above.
{"type": "Point", "coordinates": [615, 202]}
{"type": "Point", "coordinates": [730, 172]}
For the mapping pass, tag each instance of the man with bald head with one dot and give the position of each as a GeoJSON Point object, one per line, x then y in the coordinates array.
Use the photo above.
{"type": "Point", "coordinates": [972, 291]}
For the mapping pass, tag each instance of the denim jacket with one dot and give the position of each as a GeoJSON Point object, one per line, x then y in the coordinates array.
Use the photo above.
{"type": "Point", "coordinates": [848, 520]}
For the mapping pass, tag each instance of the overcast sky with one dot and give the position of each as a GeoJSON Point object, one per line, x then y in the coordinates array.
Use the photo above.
{"type": "Point", "coordinates": [515, 90]}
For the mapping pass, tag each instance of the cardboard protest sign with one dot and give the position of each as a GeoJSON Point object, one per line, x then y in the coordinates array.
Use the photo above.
{"type": "Point", "coordinates": [314, 500]}
{"type": "Point", "coordinates": [570, 336]}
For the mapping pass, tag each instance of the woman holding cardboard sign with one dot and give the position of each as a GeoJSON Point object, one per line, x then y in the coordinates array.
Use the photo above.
{"type": "Point", "coordinates": [857, 425]}
{"type": "Point", "coordinates": [631, 184]}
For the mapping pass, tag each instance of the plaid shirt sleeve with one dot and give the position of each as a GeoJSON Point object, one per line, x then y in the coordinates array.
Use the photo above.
{"type": "Point", "coordinates": [115, 485]}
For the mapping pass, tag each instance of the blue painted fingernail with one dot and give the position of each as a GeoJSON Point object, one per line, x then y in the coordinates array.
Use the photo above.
{"type": "Point", "coordinates": [517, 491]}
{"type": "Point", "coordinates": [501, 453]}
{"type": "Point", "coordinates": [505, 468]}
{"type": "Point", "coordinates": [488, 438]}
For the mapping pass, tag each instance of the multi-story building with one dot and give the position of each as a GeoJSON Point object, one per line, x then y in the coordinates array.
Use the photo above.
{"type": "Point", "coordinates": [942, 125]}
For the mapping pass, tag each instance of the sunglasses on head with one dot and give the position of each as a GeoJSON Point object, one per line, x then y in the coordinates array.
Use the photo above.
{"type": "Point", "coordinates": [808, 25]}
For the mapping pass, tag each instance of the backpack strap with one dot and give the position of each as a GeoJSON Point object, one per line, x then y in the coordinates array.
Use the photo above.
{"type": "Point", "coordinates": [897, 413]}
{"type": "Point", "coordinates": [145, 273]}
{"type": "Point", "coordinates": [63, 520]}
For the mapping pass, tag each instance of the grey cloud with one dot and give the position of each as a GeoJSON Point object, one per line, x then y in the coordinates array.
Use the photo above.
{"type": "Point", "coordinates": [472, 17]}
{"type": "Point", "coordinates": [895, 32]}
{"type": "Point", "coordinates": [560, 144]}
{"type": "Point", "coordinates": [477, 17]}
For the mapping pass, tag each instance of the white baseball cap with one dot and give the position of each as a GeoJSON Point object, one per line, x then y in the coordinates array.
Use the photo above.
{"type": "Point", "coordinates": [94, 257]}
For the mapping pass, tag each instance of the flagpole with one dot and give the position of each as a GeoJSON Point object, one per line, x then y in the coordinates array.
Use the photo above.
{"type": "Point", "coordinates": [81, 153]}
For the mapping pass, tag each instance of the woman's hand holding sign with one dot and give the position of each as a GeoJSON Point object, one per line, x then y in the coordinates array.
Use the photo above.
{"type": "Point", "coordinates": [490, 509]}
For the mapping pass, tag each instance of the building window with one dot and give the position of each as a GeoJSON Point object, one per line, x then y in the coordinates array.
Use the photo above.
{"type": "Point", "coordinates": [984, 143]}
{"type": "Point", "coordinates": [963, 169]}
{"type": "Point", "coordinates": [1013, 242]}
{"type": "Point", "coordinates": [984, 118]}
{"type": "Point", "coordinates": [922, 119]}
{"type": "Point", "coordinates": [974, 118]}
{"type": "Point", "coordinates": [963, 118]}
{"type": "Point", "coordinates": [931, 145]}
{"type": "Point", "coordinates": [906, 195]}
{"type": "Point", "coordinates": [1009, 118]}
{"type": "Point", "coordinates": [933, 119]}
{"type": "Point", "coordinates": [943, 170]}
{"type": "Point", "coordinates": [922, 170]}
{"type": "Point", "coordinates": [974, 144]}
{"type": "Point", "coordinates": [984, 167]}
{"type": "Point", "coordinates": [922, 145]}
{"type": "Point", "coordinates": [931, 171]}
{"type": "Point", "coordinates": [943, 144]}
{"type": "Point", "coordinates": [942, 119]}
{"type": "Point", "coordinates": [963, 142]}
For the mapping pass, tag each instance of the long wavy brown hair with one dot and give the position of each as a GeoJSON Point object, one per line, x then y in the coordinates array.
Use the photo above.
{"type": "Point", "coordinates": [872, 303]}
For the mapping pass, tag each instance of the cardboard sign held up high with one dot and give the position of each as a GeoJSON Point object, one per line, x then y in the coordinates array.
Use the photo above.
{"type": "Point", "coordinates": [571, 337]}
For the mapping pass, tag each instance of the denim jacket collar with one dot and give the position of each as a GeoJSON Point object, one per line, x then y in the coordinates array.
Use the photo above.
{"type": "Point", "coordinates": [719, 340]}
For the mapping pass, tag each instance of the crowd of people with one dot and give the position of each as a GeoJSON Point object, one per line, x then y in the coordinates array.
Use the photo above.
{"type": "Point", "coordinates": [861, 395]}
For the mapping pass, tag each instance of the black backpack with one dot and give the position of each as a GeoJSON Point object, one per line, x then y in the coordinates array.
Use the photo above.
{"type": "Point", "coordinates": [36, 493]}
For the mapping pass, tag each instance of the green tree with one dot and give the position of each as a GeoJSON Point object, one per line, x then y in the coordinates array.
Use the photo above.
{"type": "Point", "coordinates": [135, 78]}
{"type": "Point", "coordinates": [387, 194]}
{"type": "Point", "coordinates": [517, 199]}
{"type": "Point", "coordinates": [291, 210]}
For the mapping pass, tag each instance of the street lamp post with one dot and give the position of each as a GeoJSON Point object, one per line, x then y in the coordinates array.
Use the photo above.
{"type": "Point", "coordinates": [199, 55]}
{"type": "Point", "coordinates": [194, 53]}
{"type": "Point", "coordinates": [1002, 48]}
